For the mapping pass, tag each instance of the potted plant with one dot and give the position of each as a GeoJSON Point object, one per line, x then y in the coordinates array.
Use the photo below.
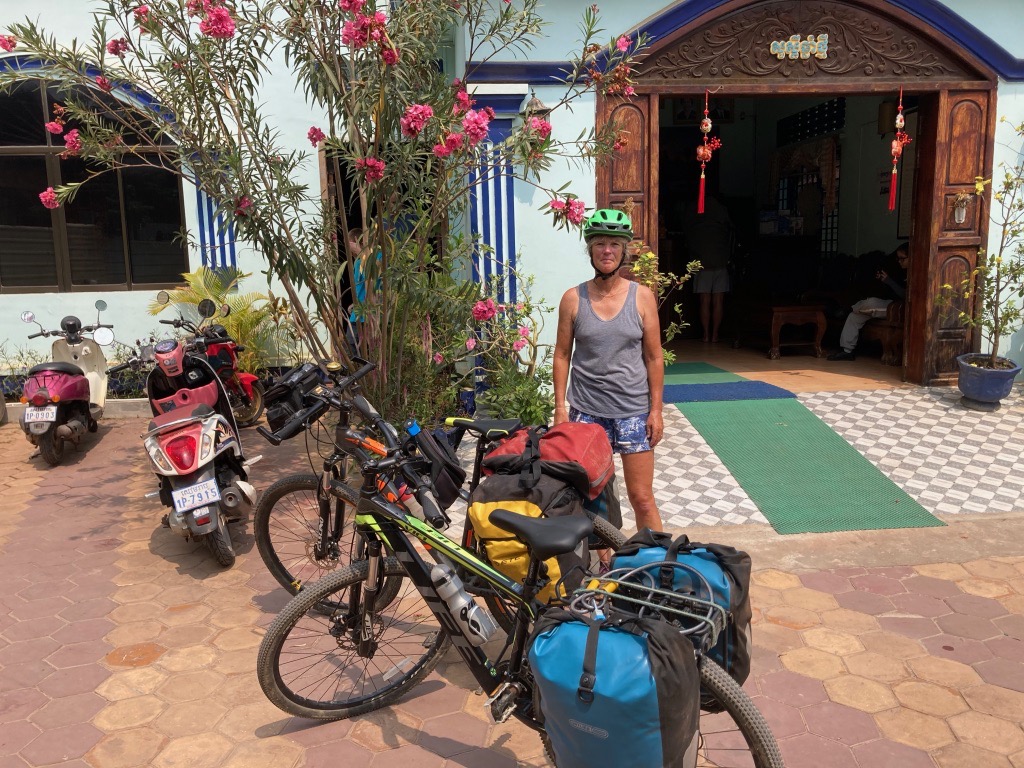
{"type": "Point", "coordinates": [994, 289]}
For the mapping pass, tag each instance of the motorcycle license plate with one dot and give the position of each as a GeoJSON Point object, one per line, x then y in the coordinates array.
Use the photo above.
{"type": "Point", "coordinates": [46, 413]}
{"type": "Point", "coordinates": [198, 495]}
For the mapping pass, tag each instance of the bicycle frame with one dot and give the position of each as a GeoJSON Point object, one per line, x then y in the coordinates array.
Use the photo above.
{"type": "Point", "coordinates": [379, 520]}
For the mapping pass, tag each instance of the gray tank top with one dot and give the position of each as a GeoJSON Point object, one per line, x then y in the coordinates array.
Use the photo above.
{"type": "Point", "coordinates": [607, 375]}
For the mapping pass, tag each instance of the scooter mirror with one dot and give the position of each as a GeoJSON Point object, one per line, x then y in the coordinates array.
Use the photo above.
{"type": "Point", "coordinates": [28, 317]}
{"type": "Point", "coordinates": [225, 310]}
{"type": "Point", "coordinates": [103, 336]}
{"type": "Point", "coordinates": [207, 308]}
{"type": "Point", "coordinates": [101, 305]}
{"type": "Point", "coordinates": [163, 298]}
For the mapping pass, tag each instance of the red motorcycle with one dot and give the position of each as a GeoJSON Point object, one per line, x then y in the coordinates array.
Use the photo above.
{"type": "Point", "coordinates": [245, 392]}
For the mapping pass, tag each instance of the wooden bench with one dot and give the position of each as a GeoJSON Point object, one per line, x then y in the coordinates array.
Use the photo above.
{"type": "Point", "coordinates": [889, 331]}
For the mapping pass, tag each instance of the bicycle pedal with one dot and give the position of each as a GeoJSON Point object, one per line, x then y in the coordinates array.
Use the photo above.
{"type": "Point", "coordinates": [503, 703]}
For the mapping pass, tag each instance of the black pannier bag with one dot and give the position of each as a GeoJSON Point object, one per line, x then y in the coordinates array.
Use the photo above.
{"type": "Point", "coordinates": [284, 398]}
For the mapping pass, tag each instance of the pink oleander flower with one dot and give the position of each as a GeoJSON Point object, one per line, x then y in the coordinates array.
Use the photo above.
{"type": "Point", "coordinates": [520, 307]}
{"type": "Point", "coordinates": [218, 24]}
{"type": "Point", "coordinates": [372, 167]}
{"type": "Point", "coordinates": [351, 5]}
{"type": "Point", "coordinates": [540, 126]}
{"type": "Point", "coordinates": [557, 205]}
{"type": "Point", "coordinates": [415, 119]}
{"type": "Point", "coordinates": [242, 206]}
{"type": "Point", "coordinates": [484, 310]}
{"type": "Point", "coordinates": [197, 7]}
{"type": "Point", "coordinates": [475, 125]}
{"type": "Point", "coordinates": [518, 344]}
{"type": "Point", "coordinates": [55, 127]}
{"type": "Point", "coordinates": [117, 47]}
{"type": "Point", "coordinates": [574, 212]}
{"type": "Point", "coordinates": [462, 102]}
{"type": "Point", "coordinates": [8, 42]}
{"type": "Point", "coordinates": [390, 56]}
{"type": "Point", "coordinates": [142, 14]}
{"type": "Point", "coordinates": [353, 34]}
{"type": "Point", "coordinates": [452, 142]}
{"type": "Point", "coordinates": [628, 91]}
{"type": "Point", "coordinates": [72, 142]}
{"type": "Point", "coordinates": [471, 343]}
{"type": "Point", "coordinates": [622, 43]}
{"type": "Point", "coordinates": [438, 358]}
{"type": "Point", "coordinates": [103, 84]}
{"type": "Point", "coordinates": [524, 331]}
{"type": "Point", "coordinates": [315, 136]}
{"type": "Point", "coordinates": [49, 199]}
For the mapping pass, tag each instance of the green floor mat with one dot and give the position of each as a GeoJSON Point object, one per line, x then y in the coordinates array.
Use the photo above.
{"type": "Point", "coordinates": [800, 474]}
{"type": "Point", "coordinates": [698, 373]}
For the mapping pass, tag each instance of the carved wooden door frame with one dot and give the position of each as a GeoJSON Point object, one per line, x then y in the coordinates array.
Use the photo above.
{"type": "Point", "coordinates": [872, 48]}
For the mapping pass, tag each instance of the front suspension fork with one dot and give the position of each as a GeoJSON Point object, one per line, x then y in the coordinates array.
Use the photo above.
{"type": "Point", "coordinates": [362, 613]}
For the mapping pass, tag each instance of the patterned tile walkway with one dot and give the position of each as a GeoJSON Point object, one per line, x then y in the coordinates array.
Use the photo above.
{"type": "Point", "coordinates": [121, 645]}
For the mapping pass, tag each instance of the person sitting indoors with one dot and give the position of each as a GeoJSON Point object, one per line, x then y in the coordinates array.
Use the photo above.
{"type": "Point", "coordinates": [871, 307]}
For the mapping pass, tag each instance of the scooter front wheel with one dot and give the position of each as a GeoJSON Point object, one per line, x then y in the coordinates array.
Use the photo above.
{"type": "Point", "coordinates": [247, 415]}
{"type": "Point", "coordinates": [219, 542]}
{"type": "Point", "coordinates": [51, 447]}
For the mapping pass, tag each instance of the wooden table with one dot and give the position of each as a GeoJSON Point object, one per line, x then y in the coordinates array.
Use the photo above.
{"type": "Point", "coordinates": [797, 315]}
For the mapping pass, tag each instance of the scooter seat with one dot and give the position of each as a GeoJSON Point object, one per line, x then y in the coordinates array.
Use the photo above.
{"type": "Point", "coordinates": [74, 370]}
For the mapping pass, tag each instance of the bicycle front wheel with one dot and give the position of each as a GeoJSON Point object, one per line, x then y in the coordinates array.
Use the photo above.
{"type": "Point", "coordinates": [286, 524]}
{"type": "Point", "coordinates": [308, 663]}
{"type": "Point", "coordinates": [738, 735]}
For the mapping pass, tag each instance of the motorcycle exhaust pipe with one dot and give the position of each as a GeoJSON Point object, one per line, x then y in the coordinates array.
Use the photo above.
{"type": "Point", "coordinates": [231, 497]}
{"type": "Point", "coordinates": [72, 430]}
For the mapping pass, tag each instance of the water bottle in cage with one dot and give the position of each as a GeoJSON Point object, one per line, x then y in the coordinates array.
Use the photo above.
{"type": "Point", "coordinates": [477, 624]}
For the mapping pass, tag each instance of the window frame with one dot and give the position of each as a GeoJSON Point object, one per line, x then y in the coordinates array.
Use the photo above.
{"type": "Point", "coordinates": [62, 252]}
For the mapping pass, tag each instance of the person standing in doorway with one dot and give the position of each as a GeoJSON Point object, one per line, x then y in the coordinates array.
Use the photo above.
{"type": "Point", "coordinates": [873, 306]}
{"type": "Point", "coordinates": [609, 340]}
{"type": "Point", "coordinates": [709, 239]}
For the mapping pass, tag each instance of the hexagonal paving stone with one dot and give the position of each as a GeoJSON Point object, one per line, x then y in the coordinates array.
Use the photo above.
{"type": "Point", "coordinates": [920, 605]}
{"type": "Point", "coordinates": [57, 745]}
{"type": "Point", "coordinates": [186, 635]}
{"type": "Point", "coordinates": [68, 710]}
{"type": "Point", "coordinates": [336, 754]}
{"type": "Point", "coordinates": [34, 628]}
{"type": "Point", "coordinates": [137, 655]}
{"type": "Point", "coordinates": [860, 693]}
{"type": "Point", "coordinates": [988, 732]}
{"type": "Point", "coordinates": [1006, 648]}
{"type": "Point", "coordinates": [839, 723]}
{"type": "Point", "coordinates": [969, 627]}
{"type": "Point", "coordinates": [274, 752]}
{"type": "Point", "coordinates": [865, 602]}
{"type": "Point", "coordinates": [190, 686]}
{"type": "Point", "coordinates": [27, 674]}
{"type": "Point", "coordinates": [915, 729]}
{"type": "Point", "coordinates": [186, 719]}
{"type": "Point", "coordinates": [776, 638]}
{"type": "Point", "coordinates": [127, 749]}
{"type": "Point", "coordinates": [877, 584]}
{"type": "Point", "coordinates": [952, 674]}
{"type": "Point", "coordinates": [876, 667]}
{"type": "Point", "coordinates": [809, 599]}
{"type": "Point", "coordinates": [931, 587]}
{"type": "Point", "coordinates": [812, 751]}
{"type": "Point", "coordinates": [775, 579]}
{"type": "Point", "coordinates": [995, 700]}
{"type": "Point", "coordinates": [832, 641]}
{"type": "Point", "coordinates": [846, 620]}
{"type": "Point", "coordinates": [884, 752]}
{"type": "Point", "coordinates": [76, 654]}
{"type": "Point", "coordinates": [386, 729]}
{"type": "Point", "coordinates": [973, 605]}
{"type": "Point", "coordinates": [812, 662]}
{"type": "Point", "coordinates": [791, 617]}
{"type": "Point", "coordinates": [943, 571]}
{"type": "Point", "coordinates": [968, 756]}
{"type": "Point", "coordinates": [1011, 626]}
{"type": "Point", "coordinates": [913, 627]}
{"type": "Point", "coordinates": [957, 649]}
{"type": "Point", "coordinates": [793, 689]}
{"type": "Point", "coordinates": [68, 682]}
{"type": "Point", "coordinates": [129, 713]}
{"type": "Point", "coordinates": [433, 698]}
{"type": "Point", "coordinates": [27, 650]}
{"type": "Point", "coordinates": [203, 750]}
{"type": "Point", "coordinates": [187, 659]}
{"type": "Point", "coordinates": [826, 581]}
{"type": "Point", "coordinates": [985, 588]}
{"type": "Point", "coordinates": [1009, 674]}
{"type": "Point", "coordinates": [449, 735]}
{"type": "Point", "coordinates": [783, 720]}
{"type": "Point", "coordinates": [929, 698]}
{"type": "Point", "coordinates": [15, 736]}
{"type": "Point", "coordinates": [892, 645]}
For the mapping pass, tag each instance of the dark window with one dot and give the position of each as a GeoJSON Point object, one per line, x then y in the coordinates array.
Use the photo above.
{"type": "Point", "coordinates": [121, 229]}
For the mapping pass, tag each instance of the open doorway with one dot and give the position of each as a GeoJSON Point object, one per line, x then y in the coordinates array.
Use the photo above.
{"type": "Point", "coordinates": [805, 184]}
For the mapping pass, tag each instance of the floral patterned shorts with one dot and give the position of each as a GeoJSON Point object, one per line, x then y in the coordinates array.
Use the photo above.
{"type": "Point", "coordinates": [627, 435]}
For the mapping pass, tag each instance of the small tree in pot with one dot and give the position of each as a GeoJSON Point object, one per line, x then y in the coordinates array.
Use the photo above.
{"type": "Point", "coordinates": [994, 288]}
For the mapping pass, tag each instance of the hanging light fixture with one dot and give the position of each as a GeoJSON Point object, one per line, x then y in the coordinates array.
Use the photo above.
{"type": "Point", "coordinates": [535, 108]}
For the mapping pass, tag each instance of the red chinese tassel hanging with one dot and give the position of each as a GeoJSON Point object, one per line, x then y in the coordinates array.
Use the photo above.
{"type": "Point", "coordinates": [901, 140]}
{"type": "Point", "coordinates": [704, 151]}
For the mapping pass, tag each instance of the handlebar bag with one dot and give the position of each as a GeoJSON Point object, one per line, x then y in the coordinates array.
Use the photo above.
{"type": "Point", "coordinates": [548, 498]}
{"type": "Point", "coordinates": [575, 452]}
{"type": "Point", "coordinates": [727, 571]}
{"type": "Point", "coordinates": [284, 397]}
{"type": "Point", "coordinates": [620, 691]}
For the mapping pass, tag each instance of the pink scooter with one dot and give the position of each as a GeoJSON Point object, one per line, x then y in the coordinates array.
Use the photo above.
{"type": "Point", "coordinates": [65, 397]}
{"type": "Point", "coordinates": [193, 443]}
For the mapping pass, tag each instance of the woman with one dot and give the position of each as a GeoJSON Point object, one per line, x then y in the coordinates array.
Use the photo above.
{"type": "Point", "coordinates": [610, 338]}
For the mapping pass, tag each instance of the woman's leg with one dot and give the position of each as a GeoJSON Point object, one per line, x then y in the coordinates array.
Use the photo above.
{"type": "Point", "coordinates": [638, 470]}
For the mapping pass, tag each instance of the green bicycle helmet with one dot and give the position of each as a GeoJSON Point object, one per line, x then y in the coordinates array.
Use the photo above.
{"type": "Point", "coordinates": [610, 222]}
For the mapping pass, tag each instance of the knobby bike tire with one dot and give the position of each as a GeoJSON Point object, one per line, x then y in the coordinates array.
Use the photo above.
{"type": "Point", "coordinates": [717, 744]}
{"type": "Point", "coordinates": [292, 675]}
{"type": "Point", "coordinates": [504, 612]}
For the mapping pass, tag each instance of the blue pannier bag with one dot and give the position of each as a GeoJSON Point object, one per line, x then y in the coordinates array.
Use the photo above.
{"type": "Point", "coordinates": [725, 569]}
{"type": "Point", "coordinates": [619, 691]}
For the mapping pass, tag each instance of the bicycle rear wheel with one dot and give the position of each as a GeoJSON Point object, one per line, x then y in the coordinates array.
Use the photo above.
{"type": "Point", "coordinates": [738, 735]}
{"type": "Point", "coordinates": [308, 665]}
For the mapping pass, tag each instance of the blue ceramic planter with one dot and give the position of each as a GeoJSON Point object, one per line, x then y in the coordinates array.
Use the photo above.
{"type": "Point", "coordinates": [983, 388]}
